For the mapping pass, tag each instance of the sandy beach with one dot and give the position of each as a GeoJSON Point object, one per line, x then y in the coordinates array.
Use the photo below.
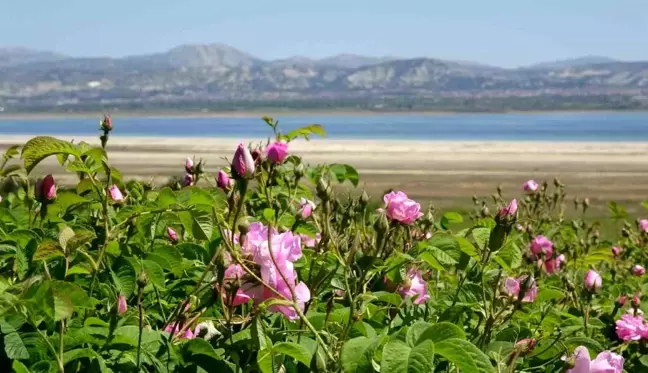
{"type": "Point", "coordinates": [434, 170]}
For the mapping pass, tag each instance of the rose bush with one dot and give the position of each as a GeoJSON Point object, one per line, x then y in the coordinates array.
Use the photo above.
{"type": "Point", "coordinates": [270, 265]}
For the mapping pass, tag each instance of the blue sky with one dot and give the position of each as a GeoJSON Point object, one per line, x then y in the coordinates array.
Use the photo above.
{"type": "Point", "coordinates": [498, 32]}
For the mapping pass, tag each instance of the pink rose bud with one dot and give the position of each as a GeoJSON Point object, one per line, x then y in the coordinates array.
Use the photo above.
{"type": "Point", "coordinates": [530, 186]}
{"type": "Point", "coordinates": [243, 164]}
{"type": "Point", "coordinates": [638, 270]}
{"type": "Point", "coordinates": [593, 281]}
{"type": "Point", "coordinates": [173, 236]}
{"type": "Point", "coordinates": [106, 123]}
{"type": "Point", "coordinates": [526, 345]}
{"type": "Point", "coordinates": [616, 251]}
{"type": "Point", "coordinates": [510, 210]}
{"type": "Point", "coordinates": [621, 301]}
{"type": "Point", "coordinates": [116, 194]}
{"type": "Point", "coordinates": [188, 180]}
{"type": "Point", "coordinates": [256, 156]}
{"type": "Point", "coordinates": [223, 181]}
{"type": "Point", "coordinates": [636, 302]}
{"type": "Point", "coordinates": [643, 223]}
{"type": "Point", "coordinates": [307, 208]}
{"type": "Point", "coordinates": [47, 188]}
{"type": "Point", "coordinates": [121, 304]}
{"type": "Point", "coordinates": [277, 151]}
{"type": "Point", "coordinates": [189, 165]}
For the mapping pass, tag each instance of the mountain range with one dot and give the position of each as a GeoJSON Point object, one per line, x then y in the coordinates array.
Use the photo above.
{"type": "Point", "coordinates": [205, 75]}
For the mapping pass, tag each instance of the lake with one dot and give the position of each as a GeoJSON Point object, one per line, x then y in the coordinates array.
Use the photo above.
{"type": "Point", "coordinates": [603, 126]}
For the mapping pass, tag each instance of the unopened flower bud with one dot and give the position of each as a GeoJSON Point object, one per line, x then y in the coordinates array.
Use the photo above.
{"type": "Point", "coordinates": [106, 123]}
{"type": "Point", "coordinates": [475, 200]}
{"type": "Point", "coordinates": [586, 203]}
{"type": "Point", "coordinates": [45, 189]}
{"type": "Point", "coordinates": [189, 165]}
{"type": "Point", "coordinates": [621, 301]}
{"type": "Point", "coordinates": [256, 155]}
{"type": "Point", "coordinates": [593, 281]}
{"type": "Point", "coordinates": [364, 198]}
{"type": "Point", "coordinates": [499, 189]}
{"type": "Point", "coordinates": [322, 189]}
{"type": "Point", "coordinates": [142, 280]}
{"type": "Point", "coordinates": [299, 171]}
{"type": "Point", "coordinates": [485, 212]}
{"type": "Point", "coordinates": [636, 301]}
{"type": "Point", "coordinates": [243, 227]}
{"type": "Point", "coordinates": [223, 181]}
{"type": "Point", "coordinates": [173, 236]}
{"type": "Point", "coordinates": [243, 164]}
{"type": "Point", "coordinates": [557, 182]}
{"type": "Point", "coordinates": [625, 233]}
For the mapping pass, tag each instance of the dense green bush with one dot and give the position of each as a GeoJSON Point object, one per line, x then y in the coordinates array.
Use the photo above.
{"type": "Point", "coordinates": [267, 267]}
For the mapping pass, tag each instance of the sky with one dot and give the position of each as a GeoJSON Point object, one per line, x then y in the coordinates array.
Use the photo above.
{"type": "Point", "coordinates": [505, 33]}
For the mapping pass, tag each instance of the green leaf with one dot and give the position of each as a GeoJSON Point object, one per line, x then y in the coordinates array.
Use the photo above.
{"type": "Point", "coordinates": [440, 332]}
{"type": "Point", "coordinates": [124, 277]}
{"type": "Point", "coordinates": [595, 257]}
{"type": "Point", "coordinates": [342, 172]}
{"type": "Point", "coordinates": [547, 294]}
{"type": "Point", "coordinates": [199, 346]}
{"type": "Point", "coordinates": [644, 360]}
{"type": "Point", "coordinates": [19, 367]}
{"type": "Point", "coordinates": [509, 257]}
{"type": "Point", "coordinates": [415, 331]}
{"type": "Point", "coordinates": [65, 235]}
{"type": "Point", "coordinates": [46, 250]}
{"type": "Point", "coordinates": [198, 223]}
{"type": "Point", "coordinates": [441, 256]}
{"type": "Point", "coordinates": [305, 132]}
{"type": "Point", "coordinates": [398, 357]}
{"type": "Point", "coordinates": [75, 293]}
{"type": "Point", "coordinates": [592, 345]}
{"type": "Point", "coordinates": [356, 355]}
{"type": "Point", "coordinates": [465, 355]}
{"type": "Point", "coordinates": [432, 261]}
{"type": "Point", "coordinates": [297, 352]}
{"type": "Point", "coordinates": [481, 235]}
{"type": "Point", "coordinates": [39, 148]}
{"type": "Point", "coordinates": [13, 344]}
{"type": "Point", "coordinates": [268, 361]}
{"type": "Point", "coordinates": [154, 272]}
{"type": "Point", "coordinates": [617, 211]}
{"type": "Point", "coordinates": [467, 248]}
{"type": "Point", "coordinates": [450, 218]}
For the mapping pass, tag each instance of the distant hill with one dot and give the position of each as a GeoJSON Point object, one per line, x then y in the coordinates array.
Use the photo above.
{"type": "Point", "coordinates": [573, 62]}
{"type": "Point", "coordinates": [202, 75]}
{"type": "Point", "coordinates": [19, 55]}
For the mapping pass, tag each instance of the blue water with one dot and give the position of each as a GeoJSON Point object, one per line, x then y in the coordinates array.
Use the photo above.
{"type": "Point", "coordinates": [542, 126]}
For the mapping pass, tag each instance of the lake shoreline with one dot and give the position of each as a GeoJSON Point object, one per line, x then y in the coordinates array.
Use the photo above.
{"type": "Point", "coordinates": [4, 116]}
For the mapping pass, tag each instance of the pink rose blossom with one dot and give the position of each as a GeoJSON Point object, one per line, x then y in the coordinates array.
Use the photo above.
{"type": "Point", "coordinates": [277, 151]}
{"type": "Point", "coordinates": [243, 164]}
{"type": "Point", "coordinates": [605, 362]}
{"type": "Point", "coordinates": [643, 223]}
{"type": "Point", "coordinates": [631, 328]}
{"type": "Point", "coordinates": [593, 281]}
{"type": "Point", "coordinates": [513, 287]}
{"type": "Point", "coordinates": [638, 270]}
{"type": "Point", "coordinates": [416, 287]}
{"type": "Point", "coordinates": [616, 251]}
{"type": "Point", "coordinates": [541, 245]}
{"type": "Point", "coordinates": [175, 329]}
{"type": "Point", "coordinates": [400, 208]}
{"type": "Point", "coordinates": [510, 210]}
{"type": "Point", "coordinates": [307, 208]}
{"type": "Point", "coordinates": [173, 236]}
{"type": "Point", "coordinates": [553, 265]}
{"type": "Point", "coordinates": [115, 194]}
{"type": "Point", "coordinates": [121, 304]}
{"type": "Point", "coordinates": [233, 274]}
{"type": "Point", "coordinates": [223, 181]}
{"type": "Point", "coordinates": [530, 186]}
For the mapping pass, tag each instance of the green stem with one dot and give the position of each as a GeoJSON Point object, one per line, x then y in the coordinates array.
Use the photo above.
{"type": "Point", "coordinates": [141, 327]}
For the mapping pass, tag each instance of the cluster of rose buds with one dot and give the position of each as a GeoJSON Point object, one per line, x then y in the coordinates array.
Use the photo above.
{"type": "Point", "coordinates": [192, 172]}
{"type": "Point", "coordinates": [542, 251]}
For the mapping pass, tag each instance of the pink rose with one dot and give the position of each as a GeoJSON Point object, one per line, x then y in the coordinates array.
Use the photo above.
{"type": "Point", "coordinates": [243, 164]}
{"type": "Point", "coordinates": [277, 151]}
{"type": "Point", "coordinates": [510, 210]}
{"type": "Point", "coordinates": [553, 265]}
{"type": "Point", "coordinates": [541, 245]}
{"type": "Point", "coordinates": [631, 328]}
{"type": "Point", "coordinates": [400, 208]}
{"type": "Point", "coordinates": [513, 287]}
{"type": "Point", "coordinates": [307, 208]}
{"type": "Point", "coordinates": [223, 181]}
{"type": "Point", "coordinates": [115, 194]}
{"type": "Point", "coordinates": [638, 270]}
{"type": "Point", "coordinates": [415, 287]}
{"type": "Point", "coordinates": [530, 186]}
{"type": "Point", "coordinates": [234, 274]}
{"type": "Point", "coordinates": [188, 180]}
{"type": "Point", "coordinates": [189, 165]}
{"type": "Point", "coordinates": [643, 223]}
{"type": "Point", "coordinates": [616, 251]}
{"type": "Point", "coordinates": [593, 281]}
{"type": "Point", "coordinates": [605, 362]}
{"type": "Point", "coordinates": [173, 236]}
{"type": "Point", "coordinates": [45, 189]}
{"type": "Point", "coordinates": [310, 242]}
{"type": "Point", "coordinates": [121, 304]}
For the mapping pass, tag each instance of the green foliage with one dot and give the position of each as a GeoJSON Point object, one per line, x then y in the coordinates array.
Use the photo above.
{"type": "Point", "coordinates": [181, 279]}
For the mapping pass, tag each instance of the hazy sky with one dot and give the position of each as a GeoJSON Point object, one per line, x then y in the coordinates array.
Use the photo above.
{"type": "Point", "coordinates": [499, 32]}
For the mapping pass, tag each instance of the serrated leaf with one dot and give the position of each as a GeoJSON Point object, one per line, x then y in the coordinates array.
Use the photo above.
{"type": "Point", "coordinates": [154, 272]}
{"type": "Point", "coordinates": [13, 344]}
{"type": "Point", "coordinates": [342, 172]}
{"type": "Point", "coordinates": [46, 250]}
{"type": "Point", "coordinates": [18, 367]}
{"type": "Point", "coordinates": [199, 346]}
{"type": "Point", "coordinates": [268, 361]}
{"type": "Point", "coordinates": [440, 332]}
{"type": "Point", "coordinates": [356, 355]}
{"type": "Point", "coordinates": [481, 235]}
{"type": "Point", "coordinates": [305, 132]}
{"type": "Point", "coordinates": [509, 257]}
{"type": "Point", "coordinates": [467, 248]}
{"type": "Point", "coordinates": [41, 147]}
{"type": "Point", "coordinates": [546, 294]}
{"type": "Point", "coordinates": [124, 277]}
{"type": "Point", "coordinates": [592, 345]}
{"type": "Point", "coordinates": [398, 357]}
{"type": "Point", "coordinates": [295, 351]}
{"type": "Point", "coordinates": [465, 355]}
{"type": "Point", "coordinates": [65, 235]}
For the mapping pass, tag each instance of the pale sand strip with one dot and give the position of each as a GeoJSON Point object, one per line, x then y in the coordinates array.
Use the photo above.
{"type": "Point", "coordinates": [430, 169]}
